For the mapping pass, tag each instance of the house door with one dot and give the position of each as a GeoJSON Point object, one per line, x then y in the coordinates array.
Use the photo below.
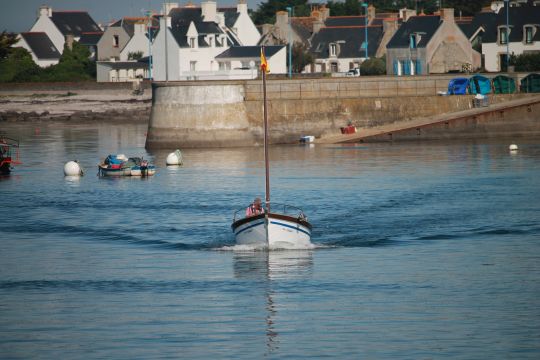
{"type": "Point", "coordinates": [503, 62]}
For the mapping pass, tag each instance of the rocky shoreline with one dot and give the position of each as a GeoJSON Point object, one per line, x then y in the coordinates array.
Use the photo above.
{"type": "Point", "coordinates": [75, 105]}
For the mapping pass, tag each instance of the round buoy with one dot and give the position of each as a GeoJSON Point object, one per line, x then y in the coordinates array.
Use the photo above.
{"type": "Point", "coordinates": [72, 168]}
{"type": "Point", "coordinates": [513, 147]}
{"type": "Point", "coordinates": [174, 158]}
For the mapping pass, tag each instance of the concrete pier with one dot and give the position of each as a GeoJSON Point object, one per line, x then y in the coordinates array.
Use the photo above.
{"type": "Point", "coordinates": [229, 113]}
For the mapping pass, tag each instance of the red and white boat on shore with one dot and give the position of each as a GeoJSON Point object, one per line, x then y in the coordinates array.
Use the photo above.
{"type": "Point", "coordinates": [9, 154]}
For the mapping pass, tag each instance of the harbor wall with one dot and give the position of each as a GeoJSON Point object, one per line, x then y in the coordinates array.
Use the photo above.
{"type": "Point", "coordinates": [229, 113]}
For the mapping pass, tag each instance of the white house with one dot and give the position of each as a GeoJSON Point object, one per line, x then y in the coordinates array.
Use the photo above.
{"type": "Point", "coordinates": [249, 58]}
{"type": "Point", "coordinates": [60, 25]}
{"type": "Point", "coordinates": [38, 44]}
{"type": "Point", "coordinates": [121, 71]}
{"type": "Point", "coordinates": [520, 37]}
{"type": "Point", "coordinates": [190, 38]}
{"type": "Point", "coordinates": [237, 19]}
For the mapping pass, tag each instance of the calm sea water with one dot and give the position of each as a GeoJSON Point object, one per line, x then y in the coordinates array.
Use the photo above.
{"type": "Point", "coordinates": [424, 251]}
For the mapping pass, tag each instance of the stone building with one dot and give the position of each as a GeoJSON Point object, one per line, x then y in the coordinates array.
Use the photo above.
{"type": "Point", "coordinates": [430, 44]}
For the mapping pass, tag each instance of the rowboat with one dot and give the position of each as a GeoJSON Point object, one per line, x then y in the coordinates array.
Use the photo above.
{"type": "Point", "coordinates": [120, 165]}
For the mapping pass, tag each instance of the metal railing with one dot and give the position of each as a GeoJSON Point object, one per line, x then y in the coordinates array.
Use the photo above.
{"type": "Point", "coordinates": [279, 208]}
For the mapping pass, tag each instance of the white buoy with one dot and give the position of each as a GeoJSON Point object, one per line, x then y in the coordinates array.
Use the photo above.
{"type": "Point", "coordinates": [72, 168]}
{"type": "Point", "coordinates": [174, 158]}
{"type": "Point", "coordinates": [513, 147]}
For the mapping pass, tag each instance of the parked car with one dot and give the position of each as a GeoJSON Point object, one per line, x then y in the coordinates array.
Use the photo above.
{"type": "Point", "coordinates": [353, 72]}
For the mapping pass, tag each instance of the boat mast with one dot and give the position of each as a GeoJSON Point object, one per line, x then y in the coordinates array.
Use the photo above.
{"type": "Point", "coordinates": [264, 67]}
{"type": "Point", "coordinates": [266, 160]}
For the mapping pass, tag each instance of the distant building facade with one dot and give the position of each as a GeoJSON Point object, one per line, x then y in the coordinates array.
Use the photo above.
{"type": "Point", "coordinates": [190, 39]}
{"type": "Point", "coordinates": [336, 43]}
{"type": "Point", "coordinates": [56, 29]}
{"type": "Point", "coordinates": [430, 44]}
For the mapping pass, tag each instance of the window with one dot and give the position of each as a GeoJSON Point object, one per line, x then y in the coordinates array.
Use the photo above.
{"type": "Point", "coordinates": [333, 49]}
{"type": "Point", "coordinates": [192, 42]}
{"type": "Point", "coordinates": [116, 40]}
{"type": "Point", "coordinates": [193, 65]}
{"type": "Point", "coordinates": [412, 41]}
{"type": "Point", "coordinates": [529, 34]}
{"type": "Point", "coordinates": [211, 41]}
{"type": "Point", "coordinates": [503, 35]}
{"type": "Point", "coordinates": [334, 67]}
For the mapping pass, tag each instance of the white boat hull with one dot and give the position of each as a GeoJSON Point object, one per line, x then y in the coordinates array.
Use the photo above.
{"type": "Point", "coordinates": [284, 232]}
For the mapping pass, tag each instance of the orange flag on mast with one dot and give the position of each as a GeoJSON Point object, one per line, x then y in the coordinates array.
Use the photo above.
{"type": "Point", "coordinates": [264, 63]}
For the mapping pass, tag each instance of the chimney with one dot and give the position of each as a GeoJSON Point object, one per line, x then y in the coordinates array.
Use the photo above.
{"type": "Point", "coordinates": [447, 15]}
{"type": "Point", "coordinates": [266, 28]}
{"type": "Point", "coordinates": [164, 22]}
{"type": "Point", "coordinates": [405, 14]}
{"type": "Point", "coordinates": [208, 11]}
{"type": "Point", "coordinates": [390, 25]}
{"type": "Point", "coordinates": [317, 25]}
{"type": "Point", "coordinates": [69, 41]}
{"type": "Point", "coordinates": [282, 19]}
{"type": "Point", "coordinates": [241, 7]}
{"type": "Point", "coordinates": [325, 13]}
{"type": "Point", "coordinates": [45, 10]}
{"type": "Point", "coordinates": [168, 6]}
{"type": "Point", "coordinates": [139, 28]}
{"type": "Point", "coordinates": [316, 14]}
{"type": "Point", "coordinates": [371, 13]}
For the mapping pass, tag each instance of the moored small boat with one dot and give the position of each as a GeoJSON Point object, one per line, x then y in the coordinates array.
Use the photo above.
{"type": "Point", "coordinates": [120, 165]}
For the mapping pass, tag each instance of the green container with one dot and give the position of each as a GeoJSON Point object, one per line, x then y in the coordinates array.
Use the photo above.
{"type": "Point", "coordinates": [503, 84]}
{"type": "Point", "coordinates": [530, 83]}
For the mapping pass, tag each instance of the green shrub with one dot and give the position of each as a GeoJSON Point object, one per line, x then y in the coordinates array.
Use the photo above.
{"type": "Point", "coordinates": [373, 66]}
{"type": "Point", "coordinates": [526, 62]}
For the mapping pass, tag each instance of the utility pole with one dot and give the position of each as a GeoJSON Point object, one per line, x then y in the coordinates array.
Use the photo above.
{"type": "Point", "coordinates": [289, 10]}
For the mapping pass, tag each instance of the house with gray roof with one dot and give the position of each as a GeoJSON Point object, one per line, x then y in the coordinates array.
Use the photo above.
{"type": "Point", "coordinates": [337, 43]}
{"type": "Point", "coordinates": [53, 30]}
{"type": "Point", "coordinates": [38, 44]}
{"type": "Point", "coordinates": [63, 26]}
{"type": "Point", "coordinates": [126, 37]}
{"type": "Point", "coordinates": [521, 36]}
{"type": "Point", "coordinates": [430, 44]}
{"type": "Point", "coordinates": [190, 38]}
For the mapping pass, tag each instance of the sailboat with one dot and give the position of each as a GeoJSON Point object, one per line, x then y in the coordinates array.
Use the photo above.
{"type": "Point", "coordinates": [279, 226]}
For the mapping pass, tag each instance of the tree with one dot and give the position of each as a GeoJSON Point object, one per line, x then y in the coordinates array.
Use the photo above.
{"type": "Point", "coordinates": [266, 11]}
{"type": "Point", "coordinates": [300, 58]}
{"type": "Point", "coordinates": [18, 66]}
{"type": "Point", "coordinates": [7, 40]}
{"type": "Point", "coordinates": [135, 55]}
{"type": "Point", "coordinates": [373, 66]}
{"type": "Point", "coordinates": [346, 8]}
{"type": "Point", "coordinates": [74, 65]}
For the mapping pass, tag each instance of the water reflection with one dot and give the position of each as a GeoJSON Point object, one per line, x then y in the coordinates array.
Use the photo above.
{"type": "Point", "coordinates": [273, 267]}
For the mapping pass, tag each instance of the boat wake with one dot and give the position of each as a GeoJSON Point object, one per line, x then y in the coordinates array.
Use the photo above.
{"type": "Point", "coordinates": [284, 247]}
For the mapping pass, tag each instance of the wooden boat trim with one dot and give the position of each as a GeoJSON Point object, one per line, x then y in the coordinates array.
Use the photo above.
{"type": "Point", "coordinates": [246, 220]}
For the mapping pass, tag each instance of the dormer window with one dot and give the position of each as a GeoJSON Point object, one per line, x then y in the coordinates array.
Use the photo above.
{"type": "Point", "coordinates": [333, 49]}
{"type": "Point", "coordinates": [413, 41]}
{"type": "Point", "coordinates": [192, 42]}
{"type": "Point", "coordinates": [529, 34]}
{"type": "Point", "coordinates": [503, 35]}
